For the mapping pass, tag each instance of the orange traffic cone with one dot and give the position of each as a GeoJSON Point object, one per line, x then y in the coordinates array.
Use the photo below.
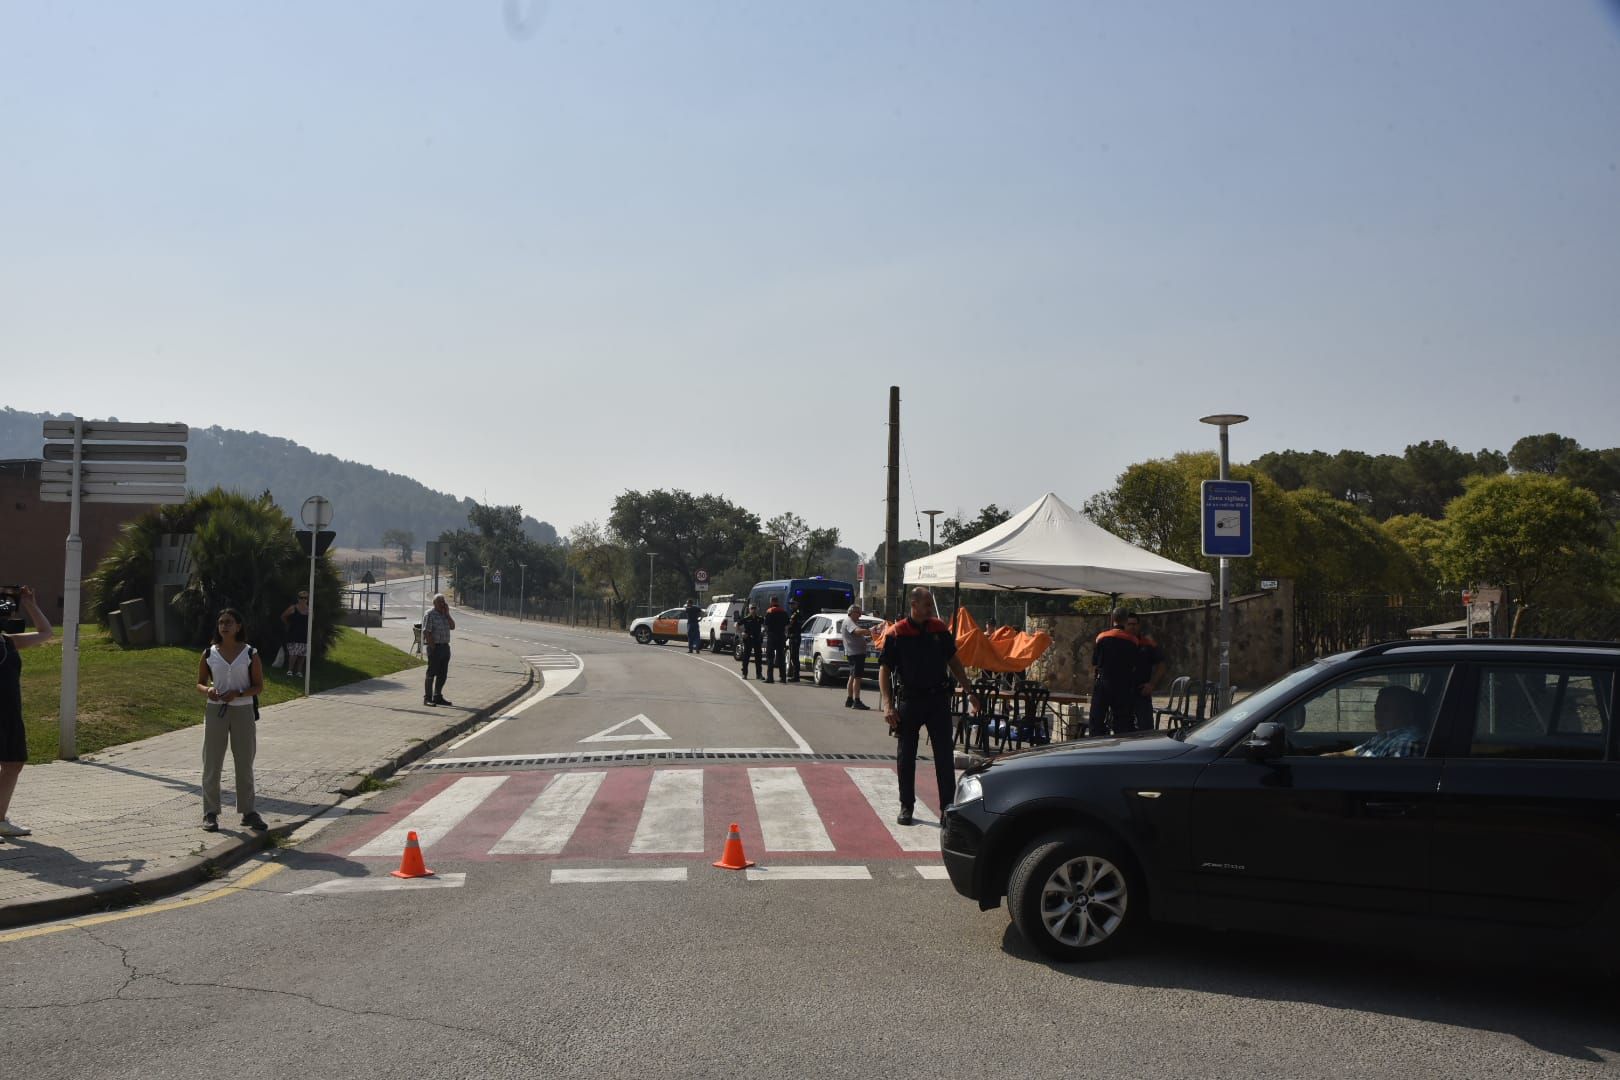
{"type": "Point", "coordinates": [410, 865]}
{"type": "Point", "coordinates": [733, 857]}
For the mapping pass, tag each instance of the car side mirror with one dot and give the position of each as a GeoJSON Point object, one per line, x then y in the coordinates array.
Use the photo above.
{"type": "Point", "coordinates": [1267, 742]}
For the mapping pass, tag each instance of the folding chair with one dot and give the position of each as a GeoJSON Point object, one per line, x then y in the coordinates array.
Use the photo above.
{"type": "Point", "coordinates": [1179, 710]}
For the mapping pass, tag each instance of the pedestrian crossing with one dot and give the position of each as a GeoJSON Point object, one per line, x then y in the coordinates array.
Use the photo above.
{"type": "Point", "coordinates": [553, 659]}
{"type": "Point", "coordinates": [810, 811]}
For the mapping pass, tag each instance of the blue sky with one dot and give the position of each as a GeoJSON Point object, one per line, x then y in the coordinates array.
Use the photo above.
{"type": "Point", "coordinates": [542, 253]}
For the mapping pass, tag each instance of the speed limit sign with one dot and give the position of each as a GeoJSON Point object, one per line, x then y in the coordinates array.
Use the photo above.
{"type": "Point", "coordinates": [701, 577]}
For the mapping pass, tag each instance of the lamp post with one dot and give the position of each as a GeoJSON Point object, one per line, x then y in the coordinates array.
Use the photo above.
{"type": "Point", "coordinates": [483, 589]}
{"type": "Point", "coordinates": [649, 582]}
{"type": "Point", "coordinates": [932, 514]}
{"type": "Point", "coordinates": [1224, 694]}
{"type": "Point", "coordinates": [523, 579]}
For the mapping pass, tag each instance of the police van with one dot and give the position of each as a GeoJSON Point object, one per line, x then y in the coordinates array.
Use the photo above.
{"type": "Point", "coordinates": [816, 593]}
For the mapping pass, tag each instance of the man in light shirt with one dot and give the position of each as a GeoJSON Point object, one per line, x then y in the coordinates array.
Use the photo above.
{"type": "Point", "coordinates": [857, 646]}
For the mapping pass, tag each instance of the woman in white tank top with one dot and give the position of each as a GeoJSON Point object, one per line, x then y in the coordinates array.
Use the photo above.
{"type": "Point", "coordinates": [230, 676]}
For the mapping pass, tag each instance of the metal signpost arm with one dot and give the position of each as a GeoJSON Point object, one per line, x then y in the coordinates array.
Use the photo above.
{"type": "Point", "coordinates": [309, 623]}
{"type": "Point", "coordinates": [68, 724]}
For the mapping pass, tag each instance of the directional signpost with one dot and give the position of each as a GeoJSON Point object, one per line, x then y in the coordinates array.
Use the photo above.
{"type": "Point", "coordinates": [316, 515]}
{"type": "Point", "coordinates": [100, 461]}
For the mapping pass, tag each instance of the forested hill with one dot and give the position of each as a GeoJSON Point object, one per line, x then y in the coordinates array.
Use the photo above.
{"type": "Point", "coordinates": [368, 500]}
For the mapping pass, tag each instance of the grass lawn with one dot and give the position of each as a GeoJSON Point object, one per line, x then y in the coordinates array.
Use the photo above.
{"type": "Point", "coordinates": [130, 694]}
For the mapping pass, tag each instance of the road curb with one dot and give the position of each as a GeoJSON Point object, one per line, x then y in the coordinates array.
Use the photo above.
{"type": "Point", "coordinates": [150, 885]}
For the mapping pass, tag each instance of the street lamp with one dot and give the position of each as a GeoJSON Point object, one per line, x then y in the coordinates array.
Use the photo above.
{"type": "Point", "coordinates": [1224, 698]}
{"type": "Point", "coordinates": [932, 514]}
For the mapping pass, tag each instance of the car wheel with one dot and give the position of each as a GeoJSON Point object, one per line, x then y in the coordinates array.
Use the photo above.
{"type": "Point", "coordinates": [823, 676]}
{"type": "Point", "coordinates": [1073, 896]}
{"type": "Point", "coordinates": [642, 635]}
{"type": "Point", "coordinates": [713, 647]}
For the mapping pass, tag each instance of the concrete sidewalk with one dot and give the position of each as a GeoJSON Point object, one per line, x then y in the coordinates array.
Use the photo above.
{"type": "Point", "coordinates": [125, 824]}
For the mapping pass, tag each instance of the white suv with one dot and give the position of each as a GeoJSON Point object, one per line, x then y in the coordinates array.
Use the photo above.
{"type": "Point", "coordinates": [718, 626]}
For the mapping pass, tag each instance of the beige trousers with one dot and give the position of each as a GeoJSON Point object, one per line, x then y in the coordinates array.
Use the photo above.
{"type": "Point", "coordinates": [236, 727]}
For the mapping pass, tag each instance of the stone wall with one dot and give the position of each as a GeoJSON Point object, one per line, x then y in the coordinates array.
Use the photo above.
{"type": "Point", "coordinates": [1262, 641]}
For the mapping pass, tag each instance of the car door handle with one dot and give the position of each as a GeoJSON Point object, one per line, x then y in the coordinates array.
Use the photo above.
{"type": "Point", "coordinates": [1388, 809]}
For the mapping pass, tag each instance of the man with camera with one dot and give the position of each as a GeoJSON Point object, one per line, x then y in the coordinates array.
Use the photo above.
{"type": "Point", "coordinates": [13, 737]}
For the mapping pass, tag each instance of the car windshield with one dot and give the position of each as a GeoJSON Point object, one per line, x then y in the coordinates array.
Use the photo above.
{"type": "Point", "coordinates": [1222, 726]}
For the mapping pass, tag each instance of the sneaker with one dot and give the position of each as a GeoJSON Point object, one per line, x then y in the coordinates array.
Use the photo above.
{"type": "Point", "coordinates": [254, 822]}
{"type": "Point", "coordinates": [427, 701]}
{"type": "Point", "coordinates": [861, 705]}
{"type": "Point", "coordinates": [770, 680]}
{"type": "Point", "coordinates": [849, 703]}
{"type": "Point", "coordinates": [210, 823]}
{"type": "Point", "coordinates": [11, 828]}
{"type": "Point", "coordinates": [442, 701]}
{"type": "Point", "coordinates": [904, 818]}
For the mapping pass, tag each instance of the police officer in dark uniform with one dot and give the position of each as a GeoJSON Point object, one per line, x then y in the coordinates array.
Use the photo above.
{"type": "Point", "coordinates": [797, 617]}
{"type": "Point", "coordinates": [1113, 695]}
{"type": "Point", "coordinates": [750, 636]}
{"type": "Point", "coordinates": [1149, 670]}
{"type": "Point", "coordinates": [692, 613]}
{"type": "Point", "coordinates": [921, 651]}
{"type": "Point", "coordinates": [776, 622]}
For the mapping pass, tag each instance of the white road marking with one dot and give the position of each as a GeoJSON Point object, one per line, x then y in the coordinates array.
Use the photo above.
{"type": "Point", "coordinates": [434, 818]}
{"type": "Point", "coordinates": [672, 818]}
{"type": "Point", "coordinates": [933, 873]}
{"type": "Point", "coordinates": [798, 742]}
{"type": "Point", "coordinates": [650, 873]}
{"type": "Point", "coordinates": [382, 884]}
{"type": "Point", "coordinates": [545, 827]}
{"type": "Point", "coordinates": [787, 816]}
{"type": "Point", "coordinates": [555, 683]}
{"type": "Point", "coordinates": [607, 755]}
{"type": "Point", "coordinates": [878, 785]}
{"type": "Point", "coordinates": [810, 873]}
{"type": "Point", "coordinates": [649, 731]}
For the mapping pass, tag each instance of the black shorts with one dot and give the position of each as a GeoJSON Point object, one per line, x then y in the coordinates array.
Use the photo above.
{"type": "Point", "coordinates": [857, 666]}
{"type": "Point", "coordinates": [13, 739]}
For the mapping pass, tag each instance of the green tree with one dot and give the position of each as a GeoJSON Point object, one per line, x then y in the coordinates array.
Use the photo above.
{"type": "Point", "coordinates": [498, 541]}
{"type": "Point", "coordinates": [1423, 539]}
{"type": "Point", "coordinates": [603, 563]}
{"type": "Point", "coordinates": [1533, 533]}
{"type": "Point", "coordinates": [402, 540]}
{"type": "Point", "coordinates": [683, 532]}
{"type": "Point", "coordinates": [1156, 506]}
{"type": "Point", "coordinates": [953, 530]}
{"type": "Point", "coordinates": [1343, 549]}
{"type": "Point", "coordinates": [1541, 453]}
{"type": "Point", "coordinates": [243, 555]}
{"type": "Point", "coordinates": [1437, 470]}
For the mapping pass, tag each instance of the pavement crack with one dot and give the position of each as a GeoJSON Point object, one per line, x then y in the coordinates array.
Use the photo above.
{"type": "Point", "coordinates": [131, 975]}
{"type": "Point", "coordinates": [310, 999]}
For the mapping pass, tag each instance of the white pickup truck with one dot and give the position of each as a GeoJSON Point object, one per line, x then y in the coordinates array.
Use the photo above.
{"type": "Point", "coordinates": [718, 626]}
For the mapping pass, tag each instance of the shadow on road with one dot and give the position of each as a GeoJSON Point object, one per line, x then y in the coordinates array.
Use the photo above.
{"type": "Point", "coordinates": [1558, 1012]}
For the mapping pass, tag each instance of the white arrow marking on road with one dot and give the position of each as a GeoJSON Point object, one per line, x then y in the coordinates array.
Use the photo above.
{"type": "Point", "coordinates": [650, 730]}
{"type": "Point", "coordinates": [382, 884]}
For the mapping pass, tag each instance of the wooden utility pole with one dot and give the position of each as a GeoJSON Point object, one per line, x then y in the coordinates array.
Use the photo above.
{"type": "Point", "coordinates": [891, 519]}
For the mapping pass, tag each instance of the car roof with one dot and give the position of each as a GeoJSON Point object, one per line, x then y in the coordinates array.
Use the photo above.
{"type": "Point", "coordinates": [1494, 648]}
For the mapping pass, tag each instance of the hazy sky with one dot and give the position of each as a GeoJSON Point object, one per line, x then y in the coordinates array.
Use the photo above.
{"type": "Point", "coordinates": [543, 253]}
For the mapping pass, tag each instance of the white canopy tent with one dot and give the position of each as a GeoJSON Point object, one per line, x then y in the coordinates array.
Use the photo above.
{"type": "Point", "coordinates": [1050, 547]}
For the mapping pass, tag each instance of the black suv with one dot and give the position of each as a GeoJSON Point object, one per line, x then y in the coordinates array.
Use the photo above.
{"type": "Point", "coordinates": [1404, 793]}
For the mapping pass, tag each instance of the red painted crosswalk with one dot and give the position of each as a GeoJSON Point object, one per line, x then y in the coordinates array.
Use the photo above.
{"type": "Point", "coordinates": [808, 811]}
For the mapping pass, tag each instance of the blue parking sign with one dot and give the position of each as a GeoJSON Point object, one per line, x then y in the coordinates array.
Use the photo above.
{"type": "Point", "coordinates": [1228, 518]}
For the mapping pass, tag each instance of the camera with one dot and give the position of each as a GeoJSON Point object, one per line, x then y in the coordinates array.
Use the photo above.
{"type": "Point", "coordinates": [10, 601]}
